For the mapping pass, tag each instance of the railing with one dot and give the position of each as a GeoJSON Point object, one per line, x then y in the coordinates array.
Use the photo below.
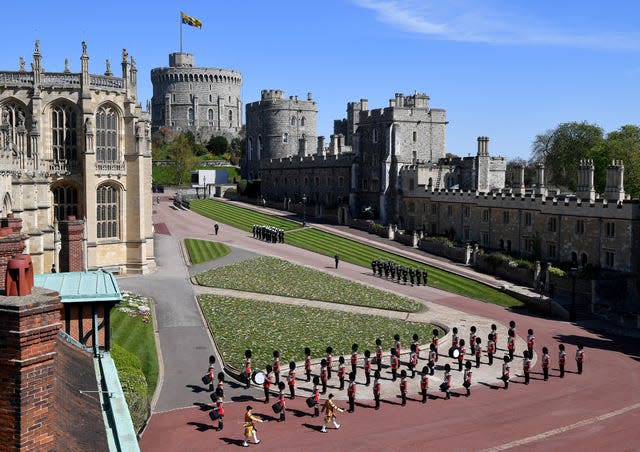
{"type": "Point", "coordinates": [16, 78]}
{"type": "Point", "coordinates": [61, 166]}
{"type": "Point", "coordinates": [103, 81]}
{"type": "Point", "coordinates": [110, 167]}
{"type": "Point", "coordinates": [61, 79]}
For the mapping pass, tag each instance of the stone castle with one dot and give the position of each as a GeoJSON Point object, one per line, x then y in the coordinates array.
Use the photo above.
{"type": "Point", "coordinates": [75, 153]}
{"type": "Point", "coordinates": [202, 100]}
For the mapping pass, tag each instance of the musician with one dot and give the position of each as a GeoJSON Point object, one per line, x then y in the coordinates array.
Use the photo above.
{"type": "Point", "coordinates": [454, 337]}
{"type": "Point", "coordinates": [545, 363]}
{"type": "Point", "coordinates": [511, 343]}
{"type": "Point", "coordinates": [367, 367]}
{"type": "Point", "coordinates": [395, 364]}
{"type": "Point", "coordinates": [329, 362]}
{"type": "Point", "coordinates": [506, 371]}
{"type": "Point", "coordinates": [341, 372]}
{"type": "Point", "coordinates": [276, 366]}
{"type": "Point", "coordinates": [494, 335]}
{"type": "Point", "coordinates": [330, 409]}
{"type": "Point", "coordinates": [445, 386]}
{"type": "Point", "coordinates": [291, 380]}
{"type": "Point", "coordinates": [512, 327]}
{"type": "Point", "coordinates": [307, 363]}
{"type": "Point", "coordinates": [466, 377]}
{"type": "Point", "coordinates": [562, 356]}
{"type": "Point", "coordinates": [379, 354]}
{"type": "Point", "coordinates": [478, 351]}
{"type": "Point", "coordinates": [266, 384]}
{"type": "Point", "coordinates": [211, 372]}
{"type": "Point", "coordinates": [461, 354]}
{"type": "Point", "coordinates": [530, 340]}
{"type": "Point", "coordinates": [416, 341]}
{"type": "Point", "coordinates": [219, 407]}
{"type": "Point", "coordinates": [392, 270]}
{"type": "Point", "coordinates": [376, 388]}
{"type": "Point", "coordinates": [403, 387]}
{"type": "Point", "coordinates": [413, 360]}
{"type": "Point", "coordinates": [249, 427]}
{"type": "Point", "coordinates": [220, 387]}
{"type": "Point", "coordinates": [580, 358]}
{"type": "Point", "coordinates": [385, 267]}
{"type": "Point", "coordinates": [396, 337]}
{"type": "Point", "coordinates": [418, 276]}
{"type": "Point", "coordinates": [316, 396]}
{"type": "Point", "coordinates": [354, 358]}
{"type": "Point", "coordinates": [323, 374]}
{"type": "Point", "coordinates": [281, 400]}
{"type": "Point", "coordinates": [433, 356]}
{"type": "Point", "coordinates": [351, 392]}
{"type": "Point", "coordinates": [526, 365]}
{"type": "Point", "coordinates": [424, 383]}
{"type": "Point", "coordinates": [374, 266]}
{"type": "Point", "coordinates": [434, 342]}
{"type": "Point", "coordinates": [491, 348]}
{"type": "Point", "coordinates": [404, 275]}
{"type": "Point", "coordinates": [399, 273]}
{"type": "Point", "coordinates": [412, 276]}
{"type": "Point", "coordinates": [425, 276]}
{"type": "Point", "coordinates": [472, 339]}
{"type": "Point", "coordinates": [247, 368]}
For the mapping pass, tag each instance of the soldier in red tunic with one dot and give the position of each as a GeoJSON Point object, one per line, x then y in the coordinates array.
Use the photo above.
{"type": "Point", "coordinates": [562, 356]}
{"type": "Point", "coordinates": [211, 372]}
{"type": "Point", "coordinates": [580, 358]}
{"type": "Point", "coordinates": [307, 363]}
{"type": "Point", "coordinates": [379, 354]}
{"type": "Point", "coordinates": [247, 369]}
{"type": "Point", "coordinates": [367, 367]}
{"type": "Point", "coordinates": [281, 400]}
{"type": "Point", "coordinates": [416, 342]}
{"type": "Point", "coordinates": [220, 387]}
{"type": "Point", "coordinates": [466, 377]}
{"type": "Point", "coordinates": [472, 339]}
{"type": "Point", "coordinates": [512, 329]}
{"type": "Point", "coordinates": [323, 375]}
{"type": "Point", "coordinates": [494, 337]}
{"type": "Point", "coordinates": [376, 388]}
{"type": "Point", "coordinates": [403, 387]}
{"type": "Point", "coordinates": [413, 360]}
{"type": "Point", "coordinates": [424, 383]}
{"type": "Point", "coordinates": [511, 343]}
{"type": "Point", "coordinates": [491, 348]}
{"type": "Point", "coordinates": [341, 372]}
{"type": "Point", "coordinates": [445, 386]}
{"type": "Point", "coordinates": [461, 355]}
{"type": "Point", "coordinates": [329, 362]}
{"type": "Point", "coordinates": [531, 339]}
{"type": "Point", "coordinates": [219, 409]}
{"type": "Point", "coordinates": [433, 356]}
{"type": "Point", "coordinates": [291, 380]}
{"type": "Point", "coordinates": [506, 372]}
{"type": "Point", "coordinates": [526, 365]}
{"type": "Point", "coordinates": [478, 351]}
{"type": "Point", "coordinates": [434, 342]}
{"type": "Point", "coordinates": [276, 366]}
{"type": "Point", "coordinates": [395, 363]}
{"type": "Point", "coordinates": [354, 358]}
{"type": "Point", "coordinates": [545, 363]}
{"type": "Point", "coordinates": [351, 392]}
{"type": "Point", "coordinates": [316, 396]}
{"type": "Point", "coordinates": [396, 337]}
{"type": "Point", "coordinates": [454, 337]}
{"type": "Point", "coordinates": [266, 385]}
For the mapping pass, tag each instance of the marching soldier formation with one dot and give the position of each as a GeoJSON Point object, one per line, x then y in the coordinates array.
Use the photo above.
{"type": "Point", "coordinates": [392, 270]}
{"type": "Point", "coordinates": [268, 233]}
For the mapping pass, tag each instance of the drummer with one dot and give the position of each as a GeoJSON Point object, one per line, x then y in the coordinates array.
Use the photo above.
{"type": "Point", "coordinates": [307, 363]}
{"type": "Point", "coordinates": [276, 366]}
{"type": "Point", "coordinates": [266, 384]}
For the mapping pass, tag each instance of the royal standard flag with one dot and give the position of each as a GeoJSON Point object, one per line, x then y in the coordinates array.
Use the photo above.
{"type": "Point", "coordinates": [190, 20]}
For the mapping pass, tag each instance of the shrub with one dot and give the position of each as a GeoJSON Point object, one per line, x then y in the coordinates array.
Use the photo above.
{"type": "Point", "coordinates": [555, 271]}
{"type": "Point", "coordinates": [494, 260]}
{"type": "Point", "coordinates": [134, 384]}
{"type": "Point", "coordinates": [523, 263]}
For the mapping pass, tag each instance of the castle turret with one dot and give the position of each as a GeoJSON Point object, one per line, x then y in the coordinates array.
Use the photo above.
{"type": "Point", "coordinates": [585, 189]}
{"type": "Point", "coordinates": [541, 189]}
{"type": "Point", "coordinates": [518, 179]}
{"type": "Point", "coordinates": [614, 189]}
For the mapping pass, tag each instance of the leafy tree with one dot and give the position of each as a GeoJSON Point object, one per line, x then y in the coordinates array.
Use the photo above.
{"type": "Point", "coordinates": [217, 145]}
{"type": "Point", "coordinates": [181, 151]}
{"type": "Point", "coordinates": [622, 144]}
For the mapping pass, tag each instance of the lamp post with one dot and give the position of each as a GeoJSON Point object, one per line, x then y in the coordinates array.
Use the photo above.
{"type": "Point", "coordinates": [304, 210]}
{"type": "Point", "coordinates": [572, 310]}
{"type": "Point", "coordinates": [204, 179]}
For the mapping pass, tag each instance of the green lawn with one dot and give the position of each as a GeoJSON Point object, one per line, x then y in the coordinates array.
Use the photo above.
{"type": "Point", "coordinates": [274, 276]}
{"type": "Point", "coordinates": [238, 217]}
{"type": "Point", "coordinates": [205, 250]}
{"type": "Point", "coordinates": [239, 324]}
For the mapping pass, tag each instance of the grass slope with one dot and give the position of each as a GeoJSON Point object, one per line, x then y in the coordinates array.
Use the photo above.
{"type": "Point", "coordinates": [238, 217]}
{"type": "Point", "coordinates": [205, 250]}
{"type": "Point", "coordinates": [263, 327]}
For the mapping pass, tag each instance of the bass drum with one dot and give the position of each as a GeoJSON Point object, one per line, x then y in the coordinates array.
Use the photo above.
{"type": "Point", "coordinates": [258, 377]}
{"type": "Point", "coordinates": [454, 352]}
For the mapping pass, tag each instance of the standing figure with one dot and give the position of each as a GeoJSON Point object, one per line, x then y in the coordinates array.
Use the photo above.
{"type": "Point", "coordinates": [396, 337]}
{"type": "Point", "coordinates": [281, 401]}
{"type": "Point", "coordinates": [341, 372]}
{"type": "Point", "coordinates": [351, 392]}
{"type": "Point", "coordinates": [512, 329]}
{"type": "Point", "coordinates": [412, 276]}
{"type": "Point", "coordinates": [472, 339]}
{"type": "Point", "coordinates": [478, 351]}
{"type": "Point", "coordinates": [379, 354]}
{"type": "Point", "coordinates": [211, 372]}
{"type": "Point", "coordinates": [215, 228]}
{"type": "Point", "coordinates": [432, 358]}
{"type": "Point", "coordinates": [219, 410]}
{"type": "Point", "coordinates": [329, 362]}
{"type": "Point", "coordinates": [424, 383]}
{"type": "Point", "coordinates": [220, 386]}
{"type": "Point", "coordinates": [395, 363]}
{"type": "Point", "coordinates": [330, 409]}
{"type": "Point", "coordinates": [413, 360]}
{"type": "Point", "coordinates": [307, 363]}
{"type": "Point", "coordinates": [266, 385]}
{"type": "Point", "coordinates": [276, 366]}
{"type": "Point", "coordinates": [247, 369]}
{"type": "Point", "coordinates": [405, 273]}
{"type": "Point", "coordinates": [530, 340]}
{"type": "Point", "coordinates": [403, 387]}
{"type": "Point", "coordinates": [545, 363]}
{"type": "Point", "coordinates": [398, 273]}
{"type": "Point", "coordinates": [562, 356]}
{"type": "Point", "coordinates": [494, 336]}
{"type": "Point", "coordinates": [425, 276]}
{"type": "Point", "coordinates": [336, 258]}
{"type": "Point", "coordinates": [461, 355]}
{"type": "Point", "coordinates": [418, 276]}
{"type": "Point", "coordinates": [324, 373]}
{"type": "Point", "coordinates": [374, 266]}
{"type": "Point", "coordinates": [434, 342]}
{"type": "Point", "coordinates": [354, 359]}
{"type": "Point", "coordinates": [416, 342]}
{"type": "Point", "coordinates": [376, 388]}
{"type": "Point", "coordinates": [526, 366]}
{"type": "Point", "coordinates": [367, 367]}
{"type": "Point", "coordinates": [445, 386]}
{"type": "Point", "coordinates": [466, 377]}
{"type": "Point", "coordinates": [316, 396]}
{"type": "Point", "coordinates": [454, 337]}
{"type": "Point", "coordinates": [491, 348]}
{"type": "Point", "coordinates": [511, 343]}
{"type": "Point", "coordinates": [291, 380]}
{"type": "Point", "coordinates": [580, 358]}
{"type": "Point", "coordinates": [249, 427]}
{"type": "Point", "coordinates": [506, 372]}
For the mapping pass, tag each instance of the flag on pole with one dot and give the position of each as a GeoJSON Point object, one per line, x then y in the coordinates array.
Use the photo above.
{"type": "Point", "coordinates": [188, 20]}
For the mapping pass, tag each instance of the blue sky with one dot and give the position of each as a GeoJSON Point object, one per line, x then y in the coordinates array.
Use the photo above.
{"type": "Point", "coordinates": [505, 69]}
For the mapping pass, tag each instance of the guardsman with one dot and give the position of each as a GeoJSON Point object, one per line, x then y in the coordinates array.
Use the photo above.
{"type": "Point", "coordinates": [395, 364]}
{"type": "Point", "coordinates": [562, 357]}
{"type": "Point", "coordinates": [373, 267]}
{"type": "Point", "coordinates": [385, 267]}
{"type": "Point", "coordinates": [379, 354]}
{"type": "Point", "coordinates": [247, 368]}
{"type": "Point", "coordinates": [491, 348]}
{"type": "Point", "coordinates": [291, 380]}
{"type": "Point", "coordinates": [276, 366]}
{"type": "Point", "coordinates": [511, 343]}
{"type": "Point", "coordinates": [307, 363]}
{"type": "Point", "coordinates": [405, 273]}
{"type": "Point", "coordinates": [398, 273]}
{"type": "Point", "coordinates": [506, 371]}
{"type": "Point", "coordinates": [433, 356]}
{"type": "Point", "coordinates": [281, 400]}
{"type": "Point", "coordinates": [376, 388]}
{"type": "Point", "coordinates": [454, 337]}
{"type": "Point", "coordinates": [445, 386]}
{"type": "Point", "coordinates": [392, 270]}
{"type": "Point", "coordinates": [219, 408]}
{"type": "Point", "coordinates": [466, 377]}
{"type": "Point", "coordinates": [330, 409]}
{"type": "Point", "coordinates": [341, 372]}
{"type": "Point", "coordinates": [545, 363]}
{"type": "Point", "coordinates": [324, 374]}
{"type": "Point", "coordinates": [434, 342]}
{"type": "Point", "coordinates": [531, 339]}
{"type": "Point", "coordinates": [580, 358]}
{"type": "Point", "coordinates": [367, 367]}
{"type": "Point", "coordinates": [354, 359]}
{"type": "Point", "coordinates": [424, 383]}
{"type": "Point", "coordinates": [416, 342]}
{"type": "Point", "coordinates": [316, 396]}
{"type": "Point", "coordinates": [249, 427]}
{"type": "Point", "coordinates": [329, 362]}
{"type": "Point", "coordinates": [425, 276]}
{"type": "Point", "coordinates": [472, 339]}
{"type": "Point", "coordinates": [526, 365]}
{"type": "Point", "coordinates": [413, 360]}
{"type": "Point", "coordinates": [220, 386]}
{"type": "Point", "coordinates": [512, 327]}
{"type": "Point", "coordinates": [461, 355]}
{"type": "Point", "coordinates": [396, 337]}
{"type": "Point", "coordinates": [412, 276]}
{"type": "Point", "coordinates": [351, 392]}
{"type": "Point", "coordinates": [268, 381]}
{"type": "Point", "coordinates": [494, 335]}
{"type": "Point", "coordinates": [403, 387]}
{"type": "Point", "coordinates": [211, 372]}
{"type": "Point", "coordinates": [418, 275]}
{"type": "Point", "coordinates": [478, 351]}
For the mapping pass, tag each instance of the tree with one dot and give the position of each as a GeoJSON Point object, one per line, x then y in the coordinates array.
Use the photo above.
{"type": "Point", "coordinates": [180, 151]}
{"type": "Point", "coordinates": [529, 172]}
{"type": "Point", "coordinates": [622, 144]}
{"type": "Point", "coordinates": [217, 145]}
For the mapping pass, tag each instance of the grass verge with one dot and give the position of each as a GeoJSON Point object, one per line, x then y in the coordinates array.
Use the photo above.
{"type": "Point", "coordinates": [205, 250]}
{"type": "Point", "coordinates": [264, 326]}
{"type": "Point", "coordinates": [238, 217]}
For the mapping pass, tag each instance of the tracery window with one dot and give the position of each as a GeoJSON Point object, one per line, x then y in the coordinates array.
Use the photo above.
{"type": "Point", "coordinates": [12, 118]}
{"type": "Point", "coordinates": [65, 202]}
{"type": "Point", "coordinates": [108, 210]}
{"type": "Point", "coordinates": [106, 135]}
{"type": "Point", "coordinates": [64, 136]}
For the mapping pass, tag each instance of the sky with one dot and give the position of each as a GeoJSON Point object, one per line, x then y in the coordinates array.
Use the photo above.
{"type": "Point", "coordinates": [506, 69]}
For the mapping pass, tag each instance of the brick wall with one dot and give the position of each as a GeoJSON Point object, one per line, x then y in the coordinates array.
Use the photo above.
{"type": "Point", "coordinates": [28, 329]}
{"type": "Point", "coordinates": [71, 256]}
{"type": "Point", "coordinates": [11, 242]}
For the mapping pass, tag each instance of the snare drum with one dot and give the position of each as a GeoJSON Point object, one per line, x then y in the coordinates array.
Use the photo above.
{"type": "Point", "coordinates": [258, 377]}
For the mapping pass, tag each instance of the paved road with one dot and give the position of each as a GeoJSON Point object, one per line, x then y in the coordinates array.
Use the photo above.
{"type": "Point", "coordinates": [598, 409]}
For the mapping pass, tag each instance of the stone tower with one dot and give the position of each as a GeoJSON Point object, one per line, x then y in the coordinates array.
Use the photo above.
{"type": "Point", "coordinates": [614, 189]}
{"type": "Point", "coordinates": [203, 100]}
{"type": "Point", "coordinates": [585, 189]}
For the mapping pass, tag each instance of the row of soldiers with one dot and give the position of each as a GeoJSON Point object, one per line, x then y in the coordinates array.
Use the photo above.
{"type": "Point", "coordinates": [399, 272]}
{"type": "Point", "coordinates": [268, 233]}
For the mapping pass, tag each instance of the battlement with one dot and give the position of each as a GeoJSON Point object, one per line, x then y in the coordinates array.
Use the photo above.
{"type": "Point", "coordinates": [310, 161]}
{"type": "Point", "coordinates": [178, 59]}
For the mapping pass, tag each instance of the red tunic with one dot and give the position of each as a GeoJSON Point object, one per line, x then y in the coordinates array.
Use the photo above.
{"type": "Point", "coordinates": [367, 364]}
{"type": "Point", "coordinates": [424, 382]}
{"type": "Point", "coordinates": [291, 378]}
{"type": "Point", "coordinates": [395, 362]}
{"type": "Point", "coordinates": [307, 363]}
{"type": "Point", "coordinates": [351, 391]}
{"type": "Point", "coordinates": [376, 388]}
{"type": "Point", "coordinates": [276, 365]}
{"type": "Point", "coordinates": [461, 355]}
{"type": "Point", "coordinates": [403, 386]}
{"type": "Point", "coordinates": [341, 371]}
{"type": "Point", "coordinates": [267, 381]}
{"type": "Point", "coordinates": [220, 408]}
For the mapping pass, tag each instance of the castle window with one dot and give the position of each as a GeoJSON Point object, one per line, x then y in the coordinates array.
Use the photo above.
{"type": "Point", "coordinates": [375, 185]}
{"type": "Point", "coordinates": [552, 224]}
{"type": "Point", "coordinates": [415, 136]}
{"type": "Point", "coordinates": [374, 135]}
{"type": "Point", "coordinates": [411, 184]}
{"type": "Point", "coordinates": [108, 211]}
{"type": "Point", "coordinates": [505, 217]}
{"type": "Point", "coordinates": [551, 250]}
{"type": "Point", "coordinates": [467, 211]}
{"type": "Point", "coordinates": [610, 229]}
{"type": "Point", "coordinates": [249, 148]}
{"type": "Point", "coordinates": [485, 216]}
{"type": "Point", "coordinates": [302, 121]}
{"type": "Point", "coordinates": [579, 228]}
{"type": "Point", "coordinates": [434, 209]}
{"type": "Point", "coordinates": [13, 116]}
{"type": "Point", "coordinates": [450, 211]}
{"type": "Point", "coordinates": [210, 115]}
{"type": "Point", "coordinates": [65, 202]}
{"type": "Point", "coordinates": [609, 259]}
{"type": "Point", "coordinates": [485, 238]}
{"type": "Point", "coordinates": [293, 120]}
{"type": "Point", "coordinates": [528, 245]}
{"type": "Point", "coordinates": [63, 133]}
{"type": "Point", "coordinates": [466, 233]}
{"type": "Point", "coordinates": [106, 135]}
{"type": "Point", "coordinates": [527, 218]}
{"type": "Point", "coordinates": [210, 96]}
{"type": "Point", "coordinates": [365, 184]}
{"type": "Point", "coordinates": [229, 99]}
{"type": "Point", "coordinates": [285, 137]}
{"type": "Point", "coordinates": [230, 115]}
{"type": "Point", "coordinates": [191, 116]}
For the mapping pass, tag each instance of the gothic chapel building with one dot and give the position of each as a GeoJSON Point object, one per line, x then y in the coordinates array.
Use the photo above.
{"type": "Point", "coordinates": [75, 154]}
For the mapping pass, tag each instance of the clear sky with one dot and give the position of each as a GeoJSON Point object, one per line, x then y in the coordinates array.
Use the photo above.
{"type": "Point", "coordinates": [508, 69]}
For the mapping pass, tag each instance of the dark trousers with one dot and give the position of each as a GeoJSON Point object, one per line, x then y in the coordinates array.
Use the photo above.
{"type": "Point", "coordinates": [506, 382]}
{"type": "Point", "coordinates": [579, 367]}
{"type": "Point", "coordinates": [404, 398]}
{"type": "Point", "coordinates": [266, 395]}
{"type": "Point", "coordinates": [292, 391]}
{"type": "Point", "coordinates": [377, 399]}
{"type": "Point", "coordinates": [526, 378]}
{"type": "Point", "coordinates": [328, 373]}
{"type": "Point", "coordinates": [424, 395]}
{"type": "Point", "coordinates": [282, 413]}
{"type": "Point", "coordinates": [324, 386]}
{"type": "Point", "coordinates": [459, 366]}
{"type": "Point", "coordinates": [367, 376]}
{"type": "Point", "coordinates": [352, 404]}
{"type": "Point", "coordinates": [545, 372]}
{"type": "Point", "coordinates": [277, 377]}
{"type": "Point", "coordinates": [511, 354]}
{"type": "Point", "coordinates": [562, 371]}
{"type": "Point", "coordinates": [473, 349]}
{"type": "Point", "coordinates": [354, 368]}
{"type": "Point", "coordinates": [394, 374]}
{"type": "Point", "coordinates": [490, 355]}
{"type": "Point", "coordinates": [379, 363]}
{"type": "Point", "coordinates": [477, 361]}
{"type": "Point", "coordinates": [211, 386]}
{"type": "Point", "coordinates": [341, 383]}
{"type": "Point", "coordinates": [248, 378]}
{"type": "Point", "coordinates": [316, 410]}
{"type": "Point", "coordinates": [432, 369]}
{"type": "Point", "coordinates": [220, 423]}
{"type": "Point", "coordinates": [308, 371]}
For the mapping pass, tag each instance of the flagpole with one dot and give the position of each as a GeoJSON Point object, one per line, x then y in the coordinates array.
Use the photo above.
{"type": "Point", "coordinates": [180, 32]}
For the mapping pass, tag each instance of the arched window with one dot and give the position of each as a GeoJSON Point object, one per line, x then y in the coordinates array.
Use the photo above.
{"type": "Point", "coordinates": [108, 209]}
{"type": "Point", "coordinates": [12, 115]}
{"type": "Point", "coordinates": [63, 133]}
{"type": "Point", "coordinates": [285, 137]}
{"type": "Point", "coordinates": [259, 155]}
{"type": "Point", "coordinates": [191, 116]}
{"type": "Point", "coordinates": [302, 121]}
{"type": "Point", "coordinates": [65, 202]}
{"type": "Point", "coordinates": [293, 120]}
{"type": "Point", "coordinates": [230, 117]}
{"type": "Point", "coordinates": [583, 259]}
{"type": "Point", "coordinates": [210, 115]}
{"type": "Point", "coordinates": [106, 135]}
{"type": "Point", "coordinates": [249, 148]}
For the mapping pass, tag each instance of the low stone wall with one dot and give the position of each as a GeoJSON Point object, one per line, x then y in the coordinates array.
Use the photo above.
{"type": "Point", "coordinates": [405, 239]}
{"type": "Point", "coordinates": [541, 305]}
{"type": "Point", "coordinates": [455, 254]}
{"type": "Point", "coordinates": [521, 276]}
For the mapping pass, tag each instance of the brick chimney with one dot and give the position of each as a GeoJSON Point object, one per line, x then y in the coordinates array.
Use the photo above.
{"type": "Point", "coordinates": [71, 257]}
{"type": "Point", "coordinates": [28, 329]}
{"type": "Point", "coordinates": [11, 242]}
